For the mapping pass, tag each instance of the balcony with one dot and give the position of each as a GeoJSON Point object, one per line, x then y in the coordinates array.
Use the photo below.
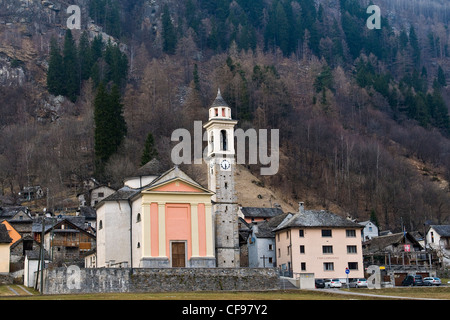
{"type": "Point", "coordinates": [71, 243]}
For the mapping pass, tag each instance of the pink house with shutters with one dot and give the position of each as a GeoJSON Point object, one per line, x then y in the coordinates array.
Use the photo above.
{"type": "Point", "coordinates": [320, 242]}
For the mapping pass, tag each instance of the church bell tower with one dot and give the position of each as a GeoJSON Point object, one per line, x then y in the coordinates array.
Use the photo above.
{"type": "Point", "coordinates": [221, 155]}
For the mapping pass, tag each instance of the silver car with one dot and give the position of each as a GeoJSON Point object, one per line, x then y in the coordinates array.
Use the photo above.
{"type": "Point", "coordinates": [333, 283]}
{"type": "Point", "coordinates": [432, 281]}
{"type": "Point", "coordinates": [358, 283]}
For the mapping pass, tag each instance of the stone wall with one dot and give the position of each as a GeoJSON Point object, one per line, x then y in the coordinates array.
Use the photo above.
{"type": "Point", "coordinates": [104, 280]}
{"type": "Point", "coordinates": [6, 279]}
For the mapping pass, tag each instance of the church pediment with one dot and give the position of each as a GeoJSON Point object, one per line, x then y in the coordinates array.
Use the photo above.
{"type": "Point", "coordinates": [177, 185]}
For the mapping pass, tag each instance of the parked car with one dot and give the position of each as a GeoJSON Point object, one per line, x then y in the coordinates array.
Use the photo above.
{"type": "Point", "coordinates": [411, 280]}
{"type": "Point", "coordinates": [432, 281]}
{"type": "Point", "coordinates": [358, 283]}
{"type": "Point", "coordinates": [320, 283]}
{"type": "Point", "coordinates": [333, 283]}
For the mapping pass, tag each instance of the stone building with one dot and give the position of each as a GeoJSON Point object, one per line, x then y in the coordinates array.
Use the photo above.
{"type": "Point", "coordinates": [166, 219]}
{"type": "Point", "coordinates": [221, 153]}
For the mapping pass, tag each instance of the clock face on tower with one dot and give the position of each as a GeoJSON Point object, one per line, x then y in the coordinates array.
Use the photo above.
{"type": "Point", "coordinates": [225, 164]}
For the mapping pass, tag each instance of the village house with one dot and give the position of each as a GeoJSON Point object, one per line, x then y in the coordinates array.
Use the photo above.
{"type": "Point", "coordinates": [255, 214]}
{"type": "Point", "coordinates": [19, 250]}
{"type": "Point", "coordinates": [5, 241]}
{"type": "Point", "coordinates": [19, 217]}
{"type": "Point", "coordinates": [261, 242]}
{"type": "Point", "coordinates": [319, 242]}
{"type": "Point", "coordinates": [399, 254]}
{"type": "Point", "coordinates": [31, 193]}
{"type": "Point", "coordinates": [394, 249]}
{"type": "Point", "coordinates": [32, 264]}
{"type": "Point", "coordinates": [13, 233]}
{"type": "Point", "coordinates": [94, 195]}
{"type": "Point", "coordinates": [438, 239]}
{"type": "Point", "coordinates": [90, 218]}
{"type": "Point", "coordinates": [370, 230]}
{"type": "Point", "coordinates": [65, 237]}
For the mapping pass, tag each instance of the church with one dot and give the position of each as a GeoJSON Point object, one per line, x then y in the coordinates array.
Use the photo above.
{"type": "Point", "coordinates": [166, 219]}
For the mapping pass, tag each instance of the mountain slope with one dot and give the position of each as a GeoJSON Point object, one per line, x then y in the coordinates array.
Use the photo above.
{"type": "Point", "coordinates": [361, 113]}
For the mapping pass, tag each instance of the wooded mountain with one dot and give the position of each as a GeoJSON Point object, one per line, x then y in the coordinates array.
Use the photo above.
{"type": "Point", "coordinates": [362, 113]}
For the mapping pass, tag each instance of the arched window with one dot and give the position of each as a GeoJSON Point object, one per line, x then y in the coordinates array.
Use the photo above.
{"type": "Point", "coordinates": [223, 140]}
{"type": "Point", "coordinates": [138, 218]}
{"type": "Point", "coordinates": [100, 225]}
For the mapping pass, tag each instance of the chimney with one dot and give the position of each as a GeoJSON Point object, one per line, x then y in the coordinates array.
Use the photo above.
{"type": "Point", "coordinates": [301, 207]}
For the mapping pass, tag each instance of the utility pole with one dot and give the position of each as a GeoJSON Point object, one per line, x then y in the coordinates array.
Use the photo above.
{"type": "Point", "coordinates": [42, 252]}
{"type": "Point", "coordinates": [41, 257]}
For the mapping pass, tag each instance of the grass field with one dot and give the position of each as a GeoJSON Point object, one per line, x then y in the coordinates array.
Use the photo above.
{"type": "Point", "coordinates": [442, 292]}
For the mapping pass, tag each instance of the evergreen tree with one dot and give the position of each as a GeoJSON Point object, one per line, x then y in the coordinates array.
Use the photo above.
{"type": "Point", "coordinates": [106, 14]}
{"type": "Point", "coordinates": [118, 124]}
{"type": "Point", "coordinates": [441, 117]}
{"type": "Point", "coordinates": [117, 64]}
{"type": "Point", "coordinates": [324, 79]}
{"type": "Point", "coordinates": [169, 34]}
{"type": "Point", "coordinates": [441, 77]}
{"type": "Point", "coordinates": [150, 151]}
{"type": "Point", "coordinates": [84, 56]}
{"type": "Point", "coordinates": [70, 65]}
{"type": "Point", "coordinates": [277, 30]}
{"type": "Point", "coordinates": [102, 142]}
{"type": "Point", "coordinates": [212, 41]}
{"type": "Point", "coordinates": [55, 73]}
{"type": "Point", "coordinates": [373, 217]}
{"type": "Point", "coordinates": [110, 126]}
{"type": "Point", "coordinates": [112, 18]}
{"type": "Point", "coordinates": [196, 78]}
{"type": "Point", "coordinates": [96, 48]}
{"type": "Point", "coordinates": [414, 41]}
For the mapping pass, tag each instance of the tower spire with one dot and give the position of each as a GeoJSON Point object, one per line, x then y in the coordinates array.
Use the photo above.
{"type": "Point", "coordinates": [220, 130]}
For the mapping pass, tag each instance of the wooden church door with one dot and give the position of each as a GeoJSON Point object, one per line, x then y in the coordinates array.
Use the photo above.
{"type": "Point", "coordinates": [178, 254]}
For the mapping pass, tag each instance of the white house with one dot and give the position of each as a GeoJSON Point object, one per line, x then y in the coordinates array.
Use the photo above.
{"type": "Point", "coordinates": [261, 242]}
{"type": "Point", "coordinates": [370, 230]}
{"type": "Point", "coordinates": [438, 238]}
{"type": "Point", "coordinates": [31, 266]}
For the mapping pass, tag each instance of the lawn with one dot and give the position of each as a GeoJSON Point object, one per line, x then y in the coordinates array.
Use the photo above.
{"type": "Point", "coordinates": [5, 294]}
{"type": "Point", "coordinates": [442, 292]}
{"type": "Point", "coordinates": [9, 290]}
{"type": "Point", "coordinates": [416, 292]}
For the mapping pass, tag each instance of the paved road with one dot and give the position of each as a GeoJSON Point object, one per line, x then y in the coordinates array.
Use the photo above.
{"type": "Point", "coordinates": [337, 291]}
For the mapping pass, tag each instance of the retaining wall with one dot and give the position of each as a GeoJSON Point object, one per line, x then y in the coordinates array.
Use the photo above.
{"type": "Point", "coordinates": [104, 280]}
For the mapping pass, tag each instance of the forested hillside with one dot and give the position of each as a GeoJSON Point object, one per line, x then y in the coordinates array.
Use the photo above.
{"type": "Point", "coordinates": [363, 113]}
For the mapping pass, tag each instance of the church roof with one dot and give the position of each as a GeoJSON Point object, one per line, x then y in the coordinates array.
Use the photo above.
{"type": "Point", "coordinates": [123, 193]}
{"type": "Point", "coordinates": [219, 101]}
{"type": "Point", "coordinates": [171, 175]}
{"type": "Point", "coordinates": [151, 168]}
{"type": "Point", "coordinates": [126, 193]}
{"type": "Point", "coordinates": [257, 212]}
